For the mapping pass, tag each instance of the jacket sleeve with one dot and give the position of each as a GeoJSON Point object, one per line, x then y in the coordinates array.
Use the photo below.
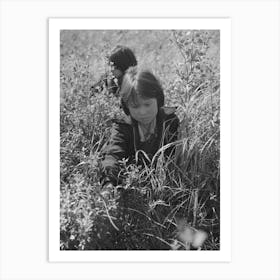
{"type": "Point", "coordinates": [99, 85]}
{"type": "Point", "coordinates": [115, 150]}
{"type": "Point", "coordinates": [171, 133]}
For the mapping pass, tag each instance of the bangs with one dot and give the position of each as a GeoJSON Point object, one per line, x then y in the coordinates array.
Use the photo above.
{"type": "Point", "coordinates": [134, 96]}
{"type": "Point", "coordinates": [137, 86]}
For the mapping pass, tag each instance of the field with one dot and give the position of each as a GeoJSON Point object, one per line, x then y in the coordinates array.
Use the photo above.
{"type": "Point", "coordinates": [164, 206]}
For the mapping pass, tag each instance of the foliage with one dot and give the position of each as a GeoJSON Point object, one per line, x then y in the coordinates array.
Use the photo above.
{"type": "Point", "coordinates": [166, 200]}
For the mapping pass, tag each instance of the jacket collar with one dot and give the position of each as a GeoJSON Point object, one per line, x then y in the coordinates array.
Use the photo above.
{"type": "Point", "coordinates": [163, 113]}
{"type": "Point", "coordinates": [142, 131]}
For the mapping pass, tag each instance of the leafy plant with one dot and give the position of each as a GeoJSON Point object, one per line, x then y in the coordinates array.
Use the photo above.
{"type": "Point", "coordinates": [169, 204]}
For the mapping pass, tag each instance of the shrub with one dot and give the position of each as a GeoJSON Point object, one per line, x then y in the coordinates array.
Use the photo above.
{"type": "Point", "coordinates": [147, 211]}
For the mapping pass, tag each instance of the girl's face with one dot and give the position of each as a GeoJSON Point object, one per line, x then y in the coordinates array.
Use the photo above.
{"type": "Point", "coordinates": [117, 73]}
{"type": "Point", "coordinates": [144, 110]}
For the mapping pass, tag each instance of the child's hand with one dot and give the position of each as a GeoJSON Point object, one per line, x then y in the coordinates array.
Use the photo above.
{"type": "Point", "coordinates": [106, 191]}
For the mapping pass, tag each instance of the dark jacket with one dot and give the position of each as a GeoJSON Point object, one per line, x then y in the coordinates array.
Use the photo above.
{"type": "Point", "coordinates": [125, 142]}
{"type": "Point", "coordinates": [107, 83]}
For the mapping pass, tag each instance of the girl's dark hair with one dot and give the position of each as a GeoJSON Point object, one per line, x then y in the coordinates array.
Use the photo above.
{"type": "Point", "coordinates": [142, 84]}
{"type": "Point", "coordinates": [122, 58]}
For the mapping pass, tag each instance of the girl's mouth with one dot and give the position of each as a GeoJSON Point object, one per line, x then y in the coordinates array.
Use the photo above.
{"type": "Point", "coordinates": [145, 119]}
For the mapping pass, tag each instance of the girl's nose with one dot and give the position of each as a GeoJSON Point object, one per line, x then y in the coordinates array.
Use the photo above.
{"type": "Point", "coordinates": [142, 111]}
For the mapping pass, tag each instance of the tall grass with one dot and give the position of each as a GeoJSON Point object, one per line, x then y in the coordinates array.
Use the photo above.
{"type": "Point", "coordinates": [160, 204]}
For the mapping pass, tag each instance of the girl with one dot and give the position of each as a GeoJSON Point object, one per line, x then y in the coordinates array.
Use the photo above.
{"type": "Point", "coordinates": [120, 59]}
{"type": "Point", "coordinates": [147, 126]}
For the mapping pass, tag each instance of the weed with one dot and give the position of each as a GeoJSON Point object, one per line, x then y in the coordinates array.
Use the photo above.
{"type": "Point", "coordinates": [170, 204]}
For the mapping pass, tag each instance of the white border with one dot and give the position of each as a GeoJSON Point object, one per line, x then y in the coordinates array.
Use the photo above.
{"type": "Point", "coordinates": [255, 139]}
{"type": "Point", "coordinates": [55, 25]}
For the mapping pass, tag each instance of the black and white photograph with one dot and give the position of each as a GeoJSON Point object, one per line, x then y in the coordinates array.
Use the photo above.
{"type": "Point", "coordinates": [139, 139]}
{"type": "Point", "coordinates": [139, 125]}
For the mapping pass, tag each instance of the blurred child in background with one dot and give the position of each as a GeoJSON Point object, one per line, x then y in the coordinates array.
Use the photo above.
{"type": "Point", "coordinates": [120, 59]}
